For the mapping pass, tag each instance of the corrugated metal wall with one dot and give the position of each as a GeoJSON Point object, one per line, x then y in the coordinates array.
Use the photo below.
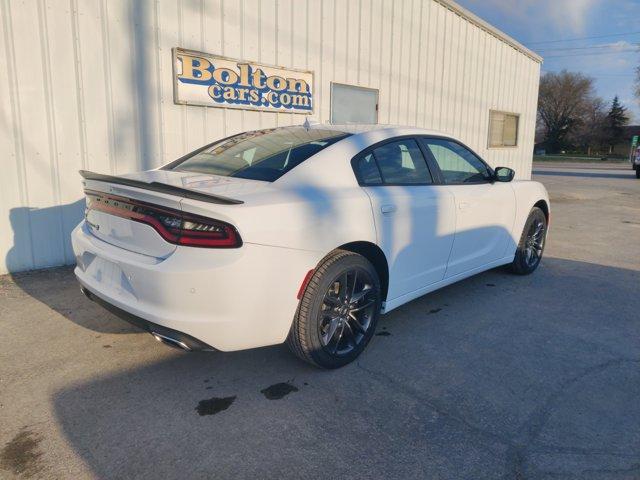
{"type": "Point", "coordinates": [87, 84]}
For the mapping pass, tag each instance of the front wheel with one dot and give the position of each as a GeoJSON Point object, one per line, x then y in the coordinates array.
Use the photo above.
{"type": "Point", "coordinates": [532, 242]}
{"type": "Point", "coordinates": [338, 311]}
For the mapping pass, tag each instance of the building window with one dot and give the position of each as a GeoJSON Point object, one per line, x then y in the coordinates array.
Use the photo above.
{"type": "Point", "coordinates": [503, 129]}
{"type": "Point", "coordinates": [352, 104]}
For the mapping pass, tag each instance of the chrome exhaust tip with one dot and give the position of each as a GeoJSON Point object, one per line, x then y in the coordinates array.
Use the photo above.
{"type": "Point", "coordinates": [171, 342]}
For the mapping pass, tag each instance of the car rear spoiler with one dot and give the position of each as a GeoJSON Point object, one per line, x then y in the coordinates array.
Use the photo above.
{"type": "Point", "coordinates": [160, 187]}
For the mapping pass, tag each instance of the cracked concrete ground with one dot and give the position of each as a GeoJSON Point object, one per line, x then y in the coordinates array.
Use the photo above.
{"type": "Point", "coordinates": [498, 377]}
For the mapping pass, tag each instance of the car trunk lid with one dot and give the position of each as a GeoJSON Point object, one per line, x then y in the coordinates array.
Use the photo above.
{"type": "Point", "coordinates": [139, 212]}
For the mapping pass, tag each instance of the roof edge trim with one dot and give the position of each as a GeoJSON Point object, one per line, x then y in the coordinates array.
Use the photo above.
{"type": "Point", "coordinates": [479, 22]}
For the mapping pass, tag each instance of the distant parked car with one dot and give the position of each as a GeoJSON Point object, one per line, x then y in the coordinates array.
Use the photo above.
{"type": "Point", "coordinates": [303, 234]}
{"type": "Point", "coordinates": [635, 162]}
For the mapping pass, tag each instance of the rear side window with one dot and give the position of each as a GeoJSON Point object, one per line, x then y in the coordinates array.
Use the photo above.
{"type": "Point", "coordinates": [368, 170]}
{"type": "Point", "coordinates": [396, 163]}
{"type": "Point", "coordinates": [260, 155]}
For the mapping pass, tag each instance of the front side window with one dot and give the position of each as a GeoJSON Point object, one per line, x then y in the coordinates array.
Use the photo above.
{"type": "Point", "coordinates": [457, 164]}
{"type": "Point", "coordinates": [262, 154]}
{"type": "Point", "coordinates": [398, 163]}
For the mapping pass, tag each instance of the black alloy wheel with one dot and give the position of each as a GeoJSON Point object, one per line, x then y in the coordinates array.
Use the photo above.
{"type": "Point", "coordinates": [338, 311]}
{"type": "Point", "coordinates": [532, 242]}
{"type": "Point", "coordinates": [347, 311]}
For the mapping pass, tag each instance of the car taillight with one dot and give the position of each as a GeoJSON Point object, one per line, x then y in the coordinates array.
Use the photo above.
{"type": "Point", "coordinates": [174, 226]}
{"type": "Point", "coordinates": [197, 232]}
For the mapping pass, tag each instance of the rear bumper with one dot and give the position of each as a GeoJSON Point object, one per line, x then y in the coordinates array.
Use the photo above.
{"type": "Point", "coordinates": [223, 299]}
{"type": "Point", "coordinates": [166, 335]}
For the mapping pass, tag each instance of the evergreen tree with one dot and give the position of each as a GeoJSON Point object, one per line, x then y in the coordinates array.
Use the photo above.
{"type": "Point", "coordinates": [636, 89]}
{"type": "Point", "coordinates": [617, 118]}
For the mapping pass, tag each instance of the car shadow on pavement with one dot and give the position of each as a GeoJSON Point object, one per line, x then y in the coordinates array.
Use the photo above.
{"type": "Point", "coordinates": [497, 376]}
{"type": "Point", "coordinates": [59, 290]}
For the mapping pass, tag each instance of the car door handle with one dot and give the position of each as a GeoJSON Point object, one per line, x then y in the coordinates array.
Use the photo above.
{"type": "Point", "coordinates": [388, 209]}
{"type": "Point", "coordinates": [463, 205]}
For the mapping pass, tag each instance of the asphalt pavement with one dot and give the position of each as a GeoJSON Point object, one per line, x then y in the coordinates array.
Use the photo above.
{"type": "Point", "coordinates": [496, 377]}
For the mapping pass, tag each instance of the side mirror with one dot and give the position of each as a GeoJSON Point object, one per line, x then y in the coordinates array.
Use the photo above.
{"type": "Point", "coordinates": [503, 174]}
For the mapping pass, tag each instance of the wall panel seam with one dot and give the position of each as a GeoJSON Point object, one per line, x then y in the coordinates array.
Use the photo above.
{"type": "Point", "coordinates": [18, 138]}
{"type": "Point", "coordinates": [78, 81]}
{"type": "Point", "coordinates": [47, 88]}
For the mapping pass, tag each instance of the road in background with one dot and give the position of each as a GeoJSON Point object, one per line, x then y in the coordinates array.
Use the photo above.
{"type": "Point", "coordinates": [498, 376]}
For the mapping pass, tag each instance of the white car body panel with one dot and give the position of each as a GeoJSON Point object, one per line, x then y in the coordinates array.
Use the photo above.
{"type": "Point", "coordinates": [246, 297]}
{"type": "Point", "coordinates": [307, 219]}
{"type": "Point", "coordinates": [415, 229]}
{"type": "Point", "coordinates": [228, 298]}
{"type": "Point", "coordinates": [399, 301]}
{"type": "Point", "coordinates": [527, 194]}
{"type": "Point", "coordinates": [484, 221]}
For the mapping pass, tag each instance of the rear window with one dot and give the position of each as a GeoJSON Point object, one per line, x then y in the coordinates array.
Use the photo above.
{"type": "Point", "coordinates": [262, 154]}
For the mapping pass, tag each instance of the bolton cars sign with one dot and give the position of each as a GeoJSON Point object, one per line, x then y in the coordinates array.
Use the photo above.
{"type": "Point", "coordinates": [213, 81]}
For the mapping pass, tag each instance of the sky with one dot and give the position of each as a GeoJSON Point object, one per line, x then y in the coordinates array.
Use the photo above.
{"type": "Point", "coordinates": [541, 25]}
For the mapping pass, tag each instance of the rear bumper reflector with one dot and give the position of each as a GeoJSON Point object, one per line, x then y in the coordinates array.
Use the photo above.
{"type": "Point", "coordinates": [305, 282]}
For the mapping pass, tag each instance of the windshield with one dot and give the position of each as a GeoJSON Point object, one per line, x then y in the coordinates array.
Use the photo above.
{"type": "Point", "coordinates": [262, 154]}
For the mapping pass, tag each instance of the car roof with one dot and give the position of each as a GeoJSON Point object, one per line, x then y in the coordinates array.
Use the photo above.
{"type": "Point", "coordinates": [328, 167]}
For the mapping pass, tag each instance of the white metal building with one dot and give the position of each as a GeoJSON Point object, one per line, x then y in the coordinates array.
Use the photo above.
{"type": "Point", "coordinates": [89, 84]}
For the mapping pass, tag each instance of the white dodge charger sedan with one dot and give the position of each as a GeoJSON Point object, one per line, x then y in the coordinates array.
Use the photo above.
{"type": "Point", "coordinates": [300, 234]}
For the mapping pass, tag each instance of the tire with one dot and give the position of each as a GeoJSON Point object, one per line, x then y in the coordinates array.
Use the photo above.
{"type": "Point", "coordinates": [531, 246]}
{"type": "Point", "coordinates": [331, 328]}
{"type": "Point", "coordinates": [637, 172]}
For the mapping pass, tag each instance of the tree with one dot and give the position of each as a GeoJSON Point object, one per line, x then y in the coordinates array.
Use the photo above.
{"type": "Point", "coordinates": [617, 118]}
{"type": "Point", "coordinates": [637, 86]}
{"type": "Point", "coordinates": [563, 102]}
{"type": "Point", "coordinates": [591, 134]}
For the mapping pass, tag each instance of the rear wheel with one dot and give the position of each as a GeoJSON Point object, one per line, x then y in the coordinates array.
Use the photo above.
{"type": "Point", "coordinates": [532, 242]}
{"type": "Point", "coordinates": [637, 172]}
{"type": "Point", "coordinates": [338, 311]}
